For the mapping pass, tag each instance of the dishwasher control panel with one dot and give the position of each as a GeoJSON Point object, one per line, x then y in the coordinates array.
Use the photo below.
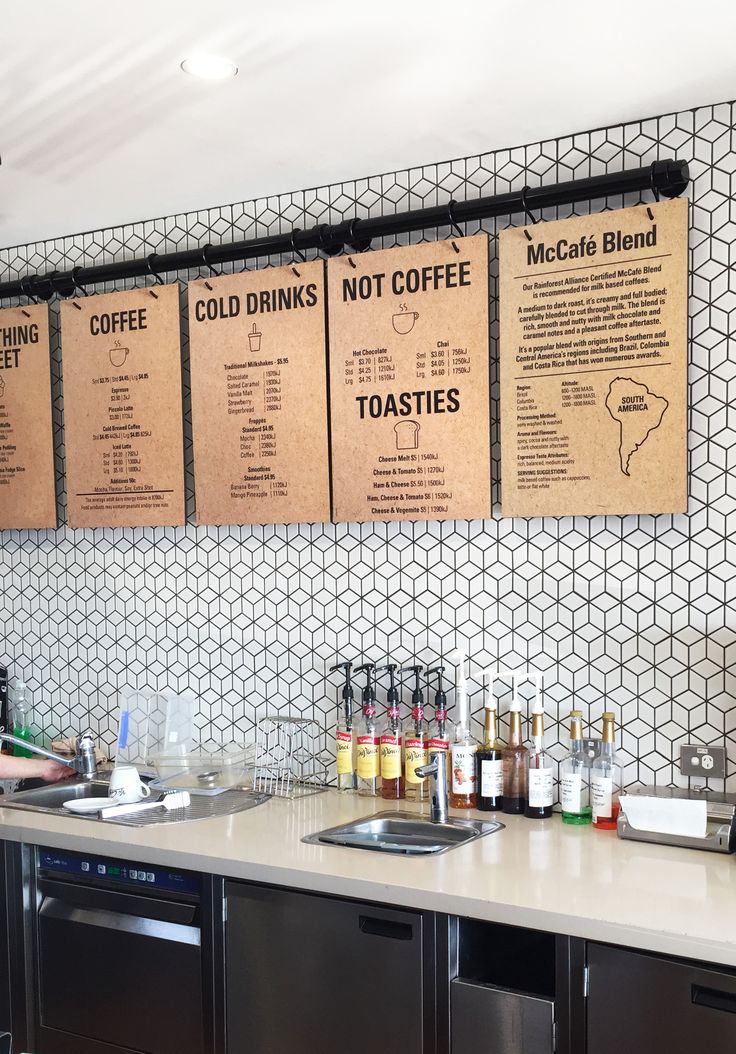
{"type": "Point", "coordinates": [106, 871]}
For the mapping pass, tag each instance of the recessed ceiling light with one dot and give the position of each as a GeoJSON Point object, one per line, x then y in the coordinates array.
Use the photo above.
{"type": "Point", "coordinates": [209, 67]}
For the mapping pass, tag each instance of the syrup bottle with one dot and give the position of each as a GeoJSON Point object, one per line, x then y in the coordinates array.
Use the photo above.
{"type": "Point", "coordinates": [392, 774]}
{"type": "Point", "coordinates": [489, 759]}
{"type": "Point", "coordinates": [606, 780]}
{"type": "Point", "coordinates": [439, 730]}
{"type": "Point", "coordinates": [575, 776]}
{"type": "Point", "coordinates": [540, 778]}
{"type": "Point", "coordinates": [344, 738]}
{"type": "Point", "coordinates": [515, 760]}
{"type": "Point", "coordinates": [366, 737]}
{"type": "Point", "coordinates": [415, 742]}
{"type": "Point", "coordinates": [463, 791]}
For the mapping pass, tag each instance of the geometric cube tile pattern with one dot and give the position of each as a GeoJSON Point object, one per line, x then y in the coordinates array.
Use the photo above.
{"type": "Point", "coordinates": [634, 613]}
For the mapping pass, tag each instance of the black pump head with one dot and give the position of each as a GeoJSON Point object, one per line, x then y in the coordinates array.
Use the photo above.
{"type": "Point", "coordinates": [369, 692]}
{"type": "Point", "coordinates": [392, 695]}
{"type": "Point", "coordinates": [417, 696]}
{"type": "Point", "coordinates": [347, 692]}
{"type": "Point", "coordinates": [440, 698]}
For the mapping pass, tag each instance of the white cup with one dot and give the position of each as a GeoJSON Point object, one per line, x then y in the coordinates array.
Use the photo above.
{"type": "Point", "coordinates": [126, 785]}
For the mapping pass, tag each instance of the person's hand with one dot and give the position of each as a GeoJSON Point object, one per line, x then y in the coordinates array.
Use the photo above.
{"type": "Point", "coordinates": [54, 772]}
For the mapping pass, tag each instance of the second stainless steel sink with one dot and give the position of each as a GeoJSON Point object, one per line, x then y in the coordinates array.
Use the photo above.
{"type": "Point", "coordinates": [404, 833]}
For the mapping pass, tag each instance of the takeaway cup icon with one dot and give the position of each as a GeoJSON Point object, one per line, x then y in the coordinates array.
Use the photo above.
{"type": "Point", "coordinates": [403, 321]}
{"type": "Point", "coordinates": [254, 339]}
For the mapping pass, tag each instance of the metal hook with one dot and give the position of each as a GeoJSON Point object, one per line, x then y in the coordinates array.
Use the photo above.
{"type": "Point", "coordinates": [26, 287]}
{"type": "Point", "coordinates": [652, 184]}
{"type": "Point", "coordinates": [76, 287]}
{"type": "Point", "coordinates": [205, 250]}
{"type": "Point", "coordinates": [154, 274]}
{"type": "Point", "coordinates": [527, 211]}
{"type": "Point", "coordinates": [296, 252]}
{"type": "Point", "coordinates": [453, 222]}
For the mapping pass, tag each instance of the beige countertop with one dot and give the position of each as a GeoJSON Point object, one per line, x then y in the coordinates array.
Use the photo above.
{"type": "Point", "coordinates": [537, 873]}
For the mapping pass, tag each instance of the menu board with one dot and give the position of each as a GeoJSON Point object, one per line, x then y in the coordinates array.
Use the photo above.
{"type": "Point", "coordinates": [593, 316]}
{"type": "Point", "coordinates": [27, 495]}
{"type": "Point", "coordinates": [409, 387]}
{"type": "Point", "coordinates": [259, 396]}
{"type": "Point", "coordinates": [122, 409]}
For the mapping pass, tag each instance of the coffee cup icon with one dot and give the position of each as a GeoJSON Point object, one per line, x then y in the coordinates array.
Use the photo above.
{"type": "Point", "coordinates": [118, 356]}
{"type": "Point", "coordinates": [254, 339]}
{"type": "Point", "coordinates": [403, 321]}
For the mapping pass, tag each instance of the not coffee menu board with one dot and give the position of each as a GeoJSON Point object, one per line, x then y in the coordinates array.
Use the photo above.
{"type": "Point", "coordinates": [594, 364]}
{"type": "Point", "coordinates": [259, 396]}
{"type": "Point", "coordinates": [409, 382]}
{"type": "Point", "coordinates": [27, 495]}
{"type": "Point", "coordinates": [121, 357]}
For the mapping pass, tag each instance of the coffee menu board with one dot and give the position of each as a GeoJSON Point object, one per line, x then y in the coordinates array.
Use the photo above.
{"type": "Point", "coordinates": [121, 360]}
{"type": "Point", "coordinates": [27, 494]}
{"type": "Point", "coordinates": [409, 382]}
{"type": "Point", "coordinates": [259, 396]}
{"type": "Point", "coordinates": [593, 332]}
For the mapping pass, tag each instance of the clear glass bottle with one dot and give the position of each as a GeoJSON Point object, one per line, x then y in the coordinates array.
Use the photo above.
{"type": "Point", "coordinates": [416, 788]}
{"type": "Point", "coordinates": [515, 761]}
{"type": "Point", "coordinates": [540, 776]}
{"type": "Point", "coordinates": [368, 759]}
{"type": "Point", "coordinates": [463, 789]}
{"type": "Point", "coordinates": [391, 743]}
{"type": "Point", "coordinates": [21, 719]}
{"type": "Point", "coordinates": [344, 738]}
{"type": "Point", "coordinates": [575, 776]}
{"type": "Point", "coordinates": [489, 759]}
{"type": "Point", "coordinates": [606, 780]}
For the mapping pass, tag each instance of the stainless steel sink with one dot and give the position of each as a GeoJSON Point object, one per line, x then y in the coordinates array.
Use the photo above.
{"type": "Point", "coordinates": [50, 799]}
{"type": "Point", "coordinates": [405, 833]}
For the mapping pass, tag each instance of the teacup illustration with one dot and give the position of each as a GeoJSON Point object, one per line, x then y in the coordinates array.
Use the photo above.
{"type": "Point", "coordinates": [118, 356]}
{"type": "Point", "coordinates": [403, 322]}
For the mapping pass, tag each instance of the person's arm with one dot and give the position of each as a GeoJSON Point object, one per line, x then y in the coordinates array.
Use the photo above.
{"type": "Point", "coordinates": [33, 768]}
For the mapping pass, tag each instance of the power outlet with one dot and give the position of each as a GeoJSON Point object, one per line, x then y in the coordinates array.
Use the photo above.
{"type": "Point", "coordinates": [708, 762]}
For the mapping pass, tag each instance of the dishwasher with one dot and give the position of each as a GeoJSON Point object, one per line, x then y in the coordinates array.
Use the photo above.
{"type": "Point", "coordinates": [118, 963]}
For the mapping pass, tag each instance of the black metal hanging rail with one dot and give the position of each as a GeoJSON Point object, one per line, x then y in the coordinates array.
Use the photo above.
{"type": "Point", "coordinates": [668, 178]}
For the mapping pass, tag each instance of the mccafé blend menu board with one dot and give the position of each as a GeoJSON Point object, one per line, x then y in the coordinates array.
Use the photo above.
{"type": "Point", "coordinates": [594, 364]}
{"type": "Point", "coordinates": [27, 495]}
{"type": "Point", "coordinates": [259, 396]}
{"type": "Point", "coordinates": [121, 359]}
{"type": "Point", "coordinates": [409, 382]}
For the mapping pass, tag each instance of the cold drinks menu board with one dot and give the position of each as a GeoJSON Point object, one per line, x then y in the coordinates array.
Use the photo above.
{"type": "Point", "coordinates": [594, 364]}
{"type": "Point", "coordinates": [27, 495]}
{"type": "Point", "coordinates": [409, 382]}
{"type": "Point", "coordinates": [122, 408]}
{"type": "Point", "coordinates": [259, 396]}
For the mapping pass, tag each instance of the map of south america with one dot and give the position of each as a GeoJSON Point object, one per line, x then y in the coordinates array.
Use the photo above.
{"type": "Point", "coordinates": [637, 411]}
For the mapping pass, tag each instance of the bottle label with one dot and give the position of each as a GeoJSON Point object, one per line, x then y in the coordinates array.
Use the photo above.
{"type": "Point", "coordinates": [390, 757]}
{"type": "Point", "coordinates": [415, 753]}
{"type": "Point", "coordinates": [601, 797]}
{"type": "Point", "coordinates": [540, 788]}
{"type": "Point", "coordinates": [463, 768]}
{"type": "Point", "coordinates": [344, 742]}
{"type": "Point", "coordinates": [571, 792]}
{"type": "Point", "coordinates": [368, 761]}
{"type": "Point", "coordinates": [438, 744]}
{"type": "Point", "coordinates": [491, 778]}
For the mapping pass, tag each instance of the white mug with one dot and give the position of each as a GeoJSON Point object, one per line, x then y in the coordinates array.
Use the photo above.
{"type": "Point", "coordinates": [126, 785]}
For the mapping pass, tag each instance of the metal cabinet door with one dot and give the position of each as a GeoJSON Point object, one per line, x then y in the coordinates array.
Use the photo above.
{"type": "Point", "coordinates": [318, 975]}
{"type": "Point", "coordinates": [487, 1019]}
{"type": "Point", "coordinates": [642, 1004]}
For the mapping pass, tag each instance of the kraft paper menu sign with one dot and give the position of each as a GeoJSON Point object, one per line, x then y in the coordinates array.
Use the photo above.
{"type": "Point", "coordinates": [409, 382]}
{"type": "Point", "coordinates": [593, 337]}
{"type": "Point", "coordinates": [27, 494]}
{"type": "Point", "coordinates": [121, 359]}
{"type": "Point", "coordinates": [259, 396]}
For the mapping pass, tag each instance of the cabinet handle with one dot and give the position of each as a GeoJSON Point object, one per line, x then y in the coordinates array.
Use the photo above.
{"type": "Point", "coordinates": [714, 999]}
{"type": "Point", "coordinates": [397, 931]}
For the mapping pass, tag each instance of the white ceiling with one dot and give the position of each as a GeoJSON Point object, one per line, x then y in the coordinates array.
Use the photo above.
{"type": "Point", "coordinates": [98, 125]}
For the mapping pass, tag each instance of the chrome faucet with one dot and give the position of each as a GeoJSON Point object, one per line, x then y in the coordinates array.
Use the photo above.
{"type": "Point", "coordinates": [437, 772]}
{"type": "Point", "coordinates": [84, 760]}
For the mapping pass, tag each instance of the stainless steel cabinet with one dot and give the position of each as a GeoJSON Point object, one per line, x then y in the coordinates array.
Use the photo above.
{"type": "Point", "coordinates": [645, 1004]}
{"type": "Point", "coordinates": [319, 975]}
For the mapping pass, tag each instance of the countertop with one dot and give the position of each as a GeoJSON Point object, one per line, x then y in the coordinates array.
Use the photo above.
{"type": "Point", "coordinates": [537, 873]}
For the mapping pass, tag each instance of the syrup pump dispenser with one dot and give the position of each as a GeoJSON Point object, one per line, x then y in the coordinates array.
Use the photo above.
{"type": "Point", "coordinates": [366, 736]}
{"type": "Point", "coordinates": [415, 741]}
{"type": "Point", "coordinates": [344, 736]}
{"type": "Point", "coordinates": [392, 775]}
{"type": "Point", "coordinates": [439, 733]}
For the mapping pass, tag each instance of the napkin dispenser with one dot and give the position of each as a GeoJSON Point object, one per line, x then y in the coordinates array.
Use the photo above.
{"type": "Point", "coordinates": [676, 816]}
